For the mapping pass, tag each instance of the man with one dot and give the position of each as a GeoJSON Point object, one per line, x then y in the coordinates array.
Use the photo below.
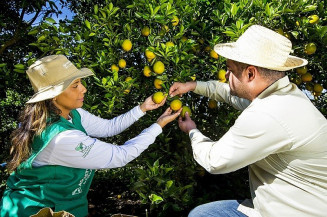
{"type": "Point", "coordinates": [280, 135]}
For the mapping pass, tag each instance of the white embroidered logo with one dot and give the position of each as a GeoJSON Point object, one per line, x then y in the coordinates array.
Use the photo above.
{"type": "Point", "coordinates": [83, 181]}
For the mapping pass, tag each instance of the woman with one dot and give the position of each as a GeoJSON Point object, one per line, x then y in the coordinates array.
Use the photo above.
{"type": "Point", "coordinates": [54, 149]}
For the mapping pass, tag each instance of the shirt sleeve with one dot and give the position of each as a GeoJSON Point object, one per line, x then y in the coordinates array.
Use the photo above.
{"type": "Point", "coordinates": [220, 91]}
{"type": "Point", "coordinates": [250, 139]}
{"type": "Point", "coordinates": [99, 127]}
{"type": "Point", "coordinates": [73, 148]}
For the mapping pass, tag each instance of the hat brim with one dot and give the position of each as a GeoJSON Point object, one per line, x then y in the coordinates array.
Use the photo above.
{"type": "Point", "coordinates": [55, 90]}
{"type": "Point", "coordinates": [231, 51]}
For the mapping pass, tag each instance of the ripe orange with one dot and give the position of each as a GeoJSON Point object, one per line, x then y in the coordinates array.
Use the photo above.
{"type": "Point", "coordinates": [184, 110]}
{"type": "Point", "coordinates": [128, 79]}
{"type": "Point", "coordinates": [114, 68]}
{"type": "Point", "coordinates": [309, 86]}
{"type": "Point", "coordinates": [318, 88]}
{"type": "Point", "coordinates": [310, 48]}
{"type": "Point", "coordinates": [122, 63]}
{"type": "Point", "coordinates": [176, 104]}
{"type": "Point", "coordinates": [145, 31]}
{"type": "Point", "coordinates": [313, 19]}
{"type": "Point", "coordinates": [170, 44]}
{"type": "Point", "coordinates": [127, 45]}
{"type": "Point", "coordinates": [175, 21]}
{"type": "Point", "coordinates": [213, 54]}
{"type": "Point", "coordinates": [158, 83]}
{"type": "Point", "coordinates": [301, 70]}
{"type": "Point", "coordinates": [159, 67]}
{"type": "Point", "coordinates": [147, 71]}
{"type": "Point", "coordinates": [158, 97]}
{"type": "Point", "coordinates": [149, 54]}
{"type": "Point", "coordinates": [212, 104]}
{"type": "Point", "coordinates": [306, 77]}
{"type": "Point", "coordinates": [221, 74]}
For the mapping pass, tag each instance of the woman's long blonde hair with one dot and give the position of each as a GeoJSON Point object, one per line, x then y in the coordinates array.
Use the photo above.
{"type": "Point", "coordinates": [32, 121]}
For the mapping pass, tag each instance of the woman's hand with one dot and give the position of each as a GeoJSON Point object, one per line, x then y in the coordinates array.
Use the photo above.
{"type": "Point", "coordinates": [168, 117]}
{"type": "Point", "coordinates": [149, 105]}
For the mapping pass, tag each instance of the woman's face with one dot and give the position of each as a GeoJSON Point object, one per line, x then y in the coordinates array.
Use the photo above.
{"type": "Point", "coordinates": [71, 98]}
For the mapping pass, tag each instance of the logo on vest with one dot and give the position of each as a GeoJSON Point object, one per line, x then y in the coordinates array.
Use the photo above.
{"type": "Point", "coordinates": [82, 182]}
{"type": "Point", "coordinates": [84, 148]}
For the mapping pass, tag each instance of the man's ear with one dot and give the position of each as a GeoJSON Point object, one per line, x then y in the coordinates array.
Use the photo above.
{"type": "Point", "coordinates": [252, 72]}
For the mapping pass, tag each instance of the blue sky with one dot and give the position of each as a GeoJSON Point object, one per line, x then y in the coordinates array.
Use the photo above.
{"type": "Point", "coordinates": [66, 13]}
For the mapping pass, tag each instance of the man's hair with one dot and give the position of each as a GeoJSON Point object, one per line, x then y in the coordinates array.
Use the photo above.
{"type": "Point", "coordinates": [269, 74]}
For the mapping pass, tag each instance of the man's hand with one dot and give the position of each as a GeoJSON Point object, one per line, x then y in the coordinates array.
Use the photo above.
{"type": "Point", "coordinates": [149, 105]}
{"type": "Point", "coordinates": [180, 88]}
{"type": "Point", "coordinates": [168, 117]}
{"type": "Point", "coordinates": [187, 124]}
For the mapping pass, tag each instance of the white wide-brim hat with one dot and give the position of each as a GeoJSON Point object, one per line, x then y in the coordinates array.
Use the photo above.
{"type": "Point", "coordinates": [51, 75]}
{"type": "Point", "coordinates": [263, 47]}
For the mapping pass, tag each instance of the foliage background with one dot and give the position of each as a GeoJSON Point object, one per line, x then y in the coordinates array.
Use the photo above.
{"type": "Point", "coordinates": [164, 180]}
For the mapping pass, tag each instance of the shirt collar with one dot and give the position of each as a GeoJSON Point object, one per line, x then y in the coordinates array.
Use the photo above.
{"type": "Point", "coordinates": [277, 85]}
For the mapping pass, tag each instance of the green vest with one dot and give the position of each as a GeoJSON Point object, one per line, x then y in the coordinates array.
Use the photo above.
{"type": "Point", "coordinates": [29, 189]}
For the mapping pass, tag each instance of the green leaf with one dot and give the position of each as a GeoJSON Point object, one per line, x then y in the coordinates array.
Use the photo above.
{"type": "Point", "coordinates": [19, 66]}
{"type": "Point", "coordinates": [309, 8]}
{"type": "Point", "coordinates": [3, 65]}
{"type": "Point", "coordinates": [96, 9]}
{"type": "Point", "coordinates": [87, 23]}
{"type": "Point", "coordinates": [50, 20]}
{"type": "Point", "coordinates": [19, 70]}
{"type": "Point", "coordinates": [155, 199]}
{"type": "Point", "coordinates": [41, 38]}
{"type": "Point", "coordinates": [156, 10]}
{"type": "Point", "coordinates": [92, 34]}
{"type": "Point", "coordinates": [33, 32]}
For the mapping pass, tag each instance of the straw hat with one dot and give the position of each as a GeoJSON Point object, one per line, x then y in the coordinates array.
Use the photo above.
{"type": "Point", "coordinates": [261, 47]}
{"type": "Point", "coordinates": [51, 75]}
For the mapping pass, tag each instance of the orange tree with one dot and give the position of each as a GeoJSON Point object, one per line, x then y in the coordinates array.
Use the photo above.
{"type": "Point", "coordinates": [154, 43]}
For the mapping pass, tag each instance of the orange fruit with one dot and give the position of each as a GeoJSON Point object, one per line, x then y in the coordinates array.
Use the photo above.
{"type": "Point", "coordinates": [176, 104]}
{"type": "Point", "coordinates": [310, 48]}
{"type": "Point", "coordinates": [184, 110]}
{"type": "Point", "coordinates": [127, 91]}
{"type": "Point", "coordinates": [306, 77]}
{"type": "Point", "coordinates": [127, 45]}
{"type": "Point", "coordinates": [318, 88]}
{"type": "Point", "coordinates": [147, 71]}
{"type": "Point", "coordinates": [149, 54]}
{"type": "Point", "coordinates": [313, 19]}
{"type": "Point", "coordinates": [212, 104]}
{"type": "Point", "coordinates": [145, 31]}
{"type": "Point", "coordinates": [221, 74]}
{"type": "Point", "coordinates": [170, 44]}
{"type": "Point", "coordinates": [128, 79]}
{"type": "Point", "coordinates": [175, 21]}
{"type": "Point", "coordinates": [302, 70]}
{"type": "Point", "coordinates": [213, 54]}
{"type": "Point", "coordinates": [159, 67]}
{"type": "Point", "coordinates": [122, 63]}
{"type": "Point", "coordinates": [158, 97]}
{"type": "Point", "coordinates": [158, 83]}
{"type": "Point", "coordinates": [114, 68]}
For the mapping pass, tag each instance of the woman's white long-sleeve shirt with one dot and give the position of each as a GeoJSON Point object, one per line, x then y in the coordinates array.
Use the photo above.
{"type": "Point", "coordinates": [282, 137]}
{"type": "Point", "coordinates": [73, 148]}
